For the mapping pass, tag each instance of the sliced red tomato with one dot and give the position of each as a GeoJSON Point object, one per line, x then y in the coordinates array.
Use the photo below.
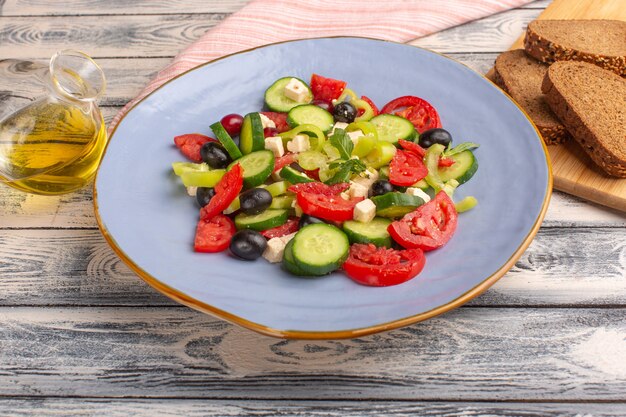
{"type": "Point", "coordinates": [381, 267]}
{"type": "Point", "coordinates": [291, 226]}
{"type": "Point", "coordinates": [406, 168]}
{"type": "Point", "coordinates": [417, 110]}
{"type": "Point", "coordinates": [326, 89]}
{"type": "Point", "coordinates": [446, 162]}
{"type": "Point", "coordinates": [280, 119]}
{"type": "Point", "coordinates": [428, 227]}
{"type": "Point", "coordinates": [319, 188]}
{"type": "Point", "coordinates": [225, 192]}
{"type": "Point", "coordinates": [371, 103]}
{"type": "Point", "coordinates": [327, 207]}
{"type": "Point", "coordinates": [190, 145]}
{"type": "Point", "coordinates": [283, 161]}
{"type": "Point", "coordinates": [315, 173]}
{"type": "Point", "coordinates": [214, 234]}
{"type": "Point", "coordinates": [413, 147]}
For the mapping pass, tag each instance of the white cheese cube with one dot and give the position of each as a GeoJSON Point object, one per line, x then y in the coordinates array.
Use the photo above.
{"type": "Point", "coordinates": [191, 190]}
{"type": "Point", "coordinates": [274, 250]}
{"type": "Point", "coordinates": [299, 143]}
{"type": "Point", "coordinates": [338, 125]}
{"type": "Point", "coordinates": [364, 211]}
{"type": "Point", "coordinates": [275, 144]}
{"type": "Point", "coordinates": [296, 90]}
{"type": "Point", "coordinates": [417, 192]}
{"type": "Point", "coordinates": [266, 121]}
{"type": "Point", "coordinates": [288, 237]}
{"type": "Point", "coordinates": [357, 190]}
{"type": "Point", "coordinates": [354, 136]}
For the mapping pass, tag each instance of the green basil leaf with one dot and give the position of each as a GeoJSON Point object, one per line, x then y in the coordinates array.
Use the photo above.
{"type": "Point", "coordinates": [342, 142]}
{"type": "Point", "coordinates": [343, 175]}
{"type": "Point", "coordinates": [462, 147]}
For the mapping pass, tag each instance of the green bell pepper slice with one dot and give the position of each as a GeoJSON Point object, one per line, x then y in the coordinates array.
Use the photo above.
{"type": "Point", "coordinates": [316, 136]}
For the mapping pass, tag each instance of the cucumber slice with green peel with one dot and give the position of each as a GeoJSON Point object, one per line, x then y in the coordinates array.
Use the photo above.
{"type": "Point", "coordinates": [294, 176]}
{"type": "Point", "coordinates": [374, 232]}
{"type": "Point", "coordinates": [311, 160]}
{"type": "Point", "coordinates": [202, 178]}
{"type": "Point", "coordinates": [257, 167]}
{"type": "Point", "coordinates": [464, 167]}
{"type": "Point", "coordinates": [265, 220]}
{"type": "Point", "coordinates": [276, 100]}
{"type": "Point", "coordinates": [383, 173]}
{"type": "Point", "coordinates": [393, 205]}
{"type": "Point", "coordinates": [391, 128]}
{"type": "Point", "coordinates": [276, 188]}
{"type": "Point", "coordinates": [289, 263]}
{"type": "Point", "coordinates": [309, 114]}
{"type": "Point", "coordinates": [319, 249]}
{"type": "Point", "coordinates": [282, 202]}
{"type": "Point", "coordinates": [227, 142]}
{"type": "Point", "coordinates": [421, 184]}
{"type": "Point", "coordinates": [382, 154]}
{"type": "Point", "coordinates": [251, 137]}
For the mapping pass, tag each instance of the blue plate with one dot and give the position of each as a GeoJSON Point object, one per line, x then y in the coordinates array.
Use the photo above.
{"type": "Point", "coordinates": [148, 219]}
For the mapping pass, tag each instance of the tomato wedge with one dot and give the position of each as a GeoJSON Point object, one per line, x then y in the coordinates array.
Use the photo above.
{"type": "Point", "coordinates": [283, 161]}
{"type": "Point", "coordinates": [333, 208]}
{"type": "Point", "coordinates": [382, 267]}
{"type": "Point", "coordinates": [413, 147]}
{"type": "Point", "coordinates": [417, 110]}
{"type": "Point", "coordinates": [428, 227]}
{"type": "Point", "coordinates": [406, 168]}
{"type": "Point", "coordinates": [214, 234]}
{"type": "Point", "coordinates": [225, 192]}
{"type": "Point", "coordinates": [445, 162]}
{"type": "Point", "coordinates": [291, 226]}
{"type": "Point", "coordinates": [372, 105]}
{"type": "Point", "coordinates": [319, 188]}
{"type": "Point", "coordinates": [190, 145]}
{"type": "Point", "coordinates": [326, 89]}
{"type": "Point", "coordinates": [279, 119]}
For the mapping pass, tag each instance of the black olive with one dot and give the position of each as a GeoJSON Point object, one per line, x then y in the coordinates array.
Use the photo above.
{"type": "Point", "coordinates": [215, 155]}
{"type": "Point", "coordinates": [432, 136]}
{"type": "Point", "coordinates": [255, 200]}
{"type": "Point", "coordinates": [306, 220]}
{"type": "Point", "coordinates": [380, 187]}
{"type": "Point", "coordinates": [248, 244]}
{"type": "Point", "coordinates": [204, 195]}
{"type": "Point", "coordinates": [344, 112]}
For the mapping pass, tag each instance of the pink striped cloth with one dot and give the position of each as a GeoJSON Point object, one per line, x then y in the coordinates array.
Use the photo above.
{"type": "Point", "coordinates": [266, 21]}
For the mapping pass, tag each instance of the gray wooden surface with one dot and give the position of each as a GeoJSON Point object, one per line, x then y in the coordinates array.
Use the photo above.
{"type": "Point", "coordinates": [81, 335]}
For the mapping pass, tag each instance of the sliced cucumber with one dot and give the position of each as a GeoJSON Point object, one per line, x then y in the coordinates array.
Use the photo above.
{"type": "Point", "coordinates": [319, 249]}
{"type": "Point", "coordinates": [276, 188]}
{"type": "Point", "coordinates": [282, 202]}
{"type": "Point", "coordinates": [310, 114]}
{"type": "Point", "coordinates": [257, 167]}
{"type": "Point", "coordinates": [202, 178]}
{"type": "Point", "coordinates": [382, 154]}
{"type": "Point", "coordinates": [383, 172]}
{"type": "Point", "coordinates": [311, 160]}
{"type": "Point", "coordinates": [289, 263]}
{"type": "Point", "coordinates": [393, 205]}
{"type": "Point", "coordinates": [276, 100]}
{"type": "Point", "coordinates": [373, 232]}
{"type": "Point", "coordinates": [293, 176]}
{"type": "Point", "coordinates": [422, 185]}
{"type": "Point", "coordinates": [265, 220]}
{"type": "Point", "coordinates": [464, 167]}
{"type": "Point", "coordinates": [390, 128]}
{"type": "Point", "coordinates": [251, 137]}
{"type": "Point", "coordinates": [227, 142]}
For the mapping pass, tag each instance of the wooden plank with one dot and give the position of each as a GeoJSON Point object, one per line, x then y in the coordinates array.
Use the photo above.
{"type": "Point", "coordinates": [483, 354]}
{"type": "Point", "coordinates": [121, 36]}
{"type": "Point", "coordinates": [117, 7]}
{"type": "Point", "coordinates": [75, 407]}
{"type": "Point", "coordinates": [76, 267]}
{"type": "Point", "coordinates": [491, 34]}
{"type": "Point", "coordinates": [574, 172]}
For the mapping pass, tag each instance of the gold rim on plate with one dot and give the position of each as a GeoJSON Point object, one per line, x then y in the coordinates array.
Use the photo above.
{"type": "Point", "coordinates": [340, 334]}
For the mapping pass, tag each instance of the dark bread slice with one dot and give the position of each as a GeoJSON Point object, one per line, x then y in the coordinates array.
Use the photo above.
{"type": "Point", "coordinates": [591, 103]}
{"type": "Point", "coordinates": [521, 77]}
{"type": "Point", "coordinates": [601, 42]}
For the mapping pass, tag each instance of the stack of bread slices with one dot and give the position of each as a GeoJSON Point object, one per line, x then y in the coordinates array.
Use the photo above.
{"type": "Point", "coordinates": [569, 78]}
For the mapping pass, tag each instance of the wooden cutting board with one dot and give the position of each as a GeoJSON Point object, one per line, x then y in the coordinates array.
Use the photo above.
{"type": "Point", "coordinates": [573, 170]}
